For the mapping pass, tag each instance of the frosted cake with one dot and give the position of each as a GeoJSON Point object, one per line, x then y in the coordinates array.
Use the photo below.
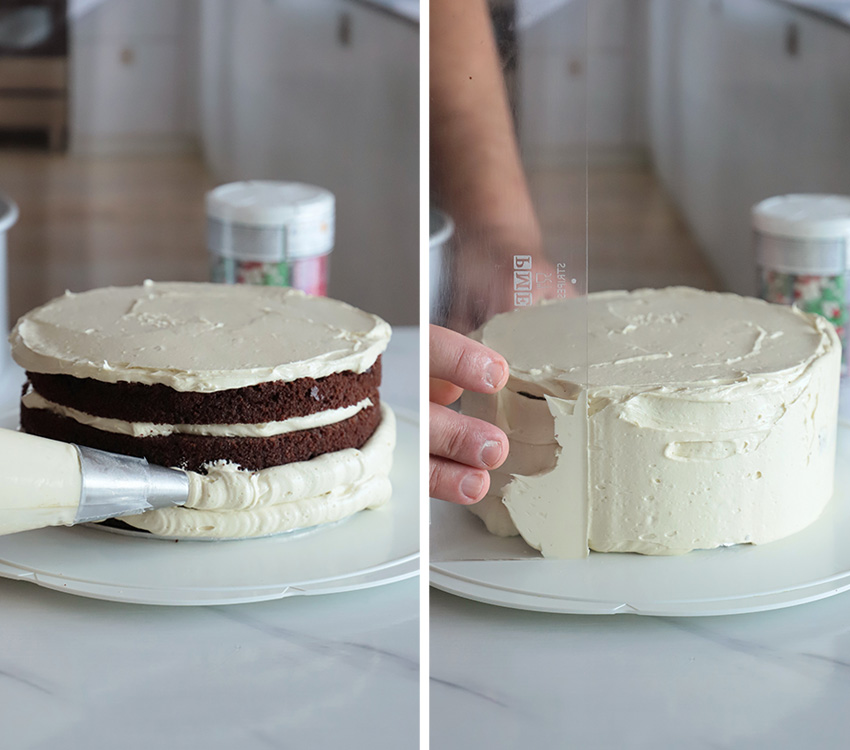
{"type": "Point", "coordinates": [685, 420]}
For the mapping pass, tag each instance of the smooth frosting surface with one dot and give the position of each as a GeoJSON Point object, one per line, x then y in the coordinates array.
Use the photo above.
{"type": "Point", "coordinates": [197, 337]}
{"type": "Point", "coordinates": [230, 503]}
{"type": "Point", "coordinates": [711, 419]}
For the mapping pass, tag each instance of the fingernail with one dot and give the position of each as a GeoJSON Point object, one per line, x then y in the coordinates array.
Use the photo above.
{"type": "Point", "coordinates": [494, 373]}
{"type": "Point", "coordinates": [472, 485]}
{"type": "Point", "coordinates": [491, 452]}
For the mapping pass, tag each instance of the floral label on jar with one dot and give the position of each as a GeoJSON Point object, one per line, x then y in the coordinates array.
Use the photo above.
{"type": "Point", "coordinates": [824, 295]}
{"type": "Point", "coordinates": [310, 275]}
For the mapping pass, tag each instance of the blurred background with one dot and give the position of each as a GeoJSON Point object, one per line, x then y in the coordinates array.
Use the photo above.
{"type": "Point", "coordinates": [682, 114]}
{"type": "Point", "coordinates": [117, 116]}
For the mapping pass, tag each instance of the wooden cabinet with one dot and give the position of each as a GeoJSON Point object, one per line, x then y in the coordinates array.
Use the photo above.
{"type": "Point", "coordinates": [33, 96]}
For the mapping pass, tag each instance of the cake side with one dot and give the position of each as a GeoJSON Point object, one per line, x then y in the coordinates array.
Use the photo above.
{"type": "Point", "coordinates": [704, 470]}
{"type": "Point", "coordinates": [161, 404]}
{"type": "Point", "coordinates": [257, 426]}
{"type": "Point", "coordinates": [194, 451]}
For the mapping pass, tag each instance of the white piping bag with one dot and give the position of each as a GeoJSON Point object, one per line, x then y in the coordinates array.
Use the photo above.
{"type": "Point", "coordinates": [49, 483]}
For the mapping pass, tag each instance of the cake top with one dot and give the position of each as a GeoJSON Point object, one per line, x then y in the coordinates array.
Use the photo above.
{"type": "Point", "coordinates": [197, 337]}
{"type": "Point", "coordinates": [657, 337]}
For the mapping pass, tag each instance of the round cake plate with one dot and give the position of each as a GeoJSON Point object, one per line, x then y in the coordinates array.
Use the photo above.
{"type": "Point", "coordinates": [372, 548]}
{"type": "Point", "coordinates": [810, 565]}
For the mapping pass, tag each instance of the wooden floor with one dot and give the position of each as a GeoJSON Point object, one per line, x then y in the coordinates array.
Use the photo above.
{"type": "Point", "coordinates": [88, 222]}
{"type": "Point", "coordinates": [636, 237]}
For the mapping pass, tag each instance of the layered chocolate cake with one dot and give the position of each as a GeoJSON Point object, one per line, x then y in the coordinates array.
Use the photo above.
{"type": "Point", "coordinates": [267, 397]}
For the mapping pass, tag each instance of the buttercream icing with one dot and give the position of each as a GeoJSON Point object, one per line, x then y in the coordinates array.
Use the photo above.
{"type": "Point", "coordinates": [229, 502]}
{"type": "Point", "coordinates": [179, 334]}
{"type": "Point", "coordinates": [711, 420]}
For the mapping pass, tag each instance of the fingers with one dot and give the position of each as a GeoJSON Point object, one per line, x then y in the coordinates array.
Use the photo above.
{"type": "Point", "coordinates": [466, 440]}
{"type": "Point", "coordinates": [462, 448]}
{"type": "Point", "coordinates": [465, 363]}
{"type": "Point", "coordinates": [456, 483]}
{"type": "Point", "coordinates": [442, 392]}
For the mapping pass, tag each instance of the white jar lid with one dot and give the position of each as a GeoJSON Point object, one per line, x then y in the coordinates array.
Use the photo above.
{"type": "Point", "coordinates": [804, 216]}
{"type": "Point", "coordinates": [265, 203]}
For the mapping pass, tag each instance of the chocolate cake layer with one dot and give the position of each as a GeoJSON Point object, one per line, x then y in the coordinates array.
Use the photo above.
{"type": "Point", "coordinates": [266, 402]}
{"type": "Point", "coordinates": [191, 452]}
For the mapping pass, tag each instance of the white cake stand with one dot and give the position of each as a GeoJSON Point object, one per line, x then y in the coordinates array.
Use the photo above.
{"type": "Point", "coordinates": [807, 566]}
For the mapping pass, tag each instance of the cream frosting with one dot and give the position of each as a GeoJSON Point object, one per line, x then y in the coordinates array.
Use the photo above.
{"type": "Point", "coordinates": [34, 400]}
{"type": "Point", "coordinates": [711, 420]}
{"type": "Point", "coordinates": [333, 506]}
{"type": "Point", "coordinates": [197, 337]}
{"type": "Point", "coordinates": [229, 502]}
{"type": "Point", "coordinates": [225, 486]}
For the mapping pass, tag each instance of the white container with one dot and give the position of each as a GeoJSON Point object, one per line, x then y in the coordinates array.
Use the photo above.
{"type": "Point", "coordinates": [802, 250]}
{"type": "Point", "coordinates": [8, 216]}
{"type": "Point", "coordinates": [271, 233]}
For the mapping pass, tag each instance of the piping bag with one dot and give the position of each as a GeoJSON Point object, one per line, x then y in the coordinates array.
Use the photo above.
{"type": "Point", "coordinates": [49, 483]}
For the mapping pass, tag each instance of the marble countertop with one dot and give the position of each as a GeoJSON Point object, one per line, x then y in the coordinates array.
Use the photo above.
{"type": "Point", "coordinates": [339, 670]}
{"type": "Point", "coordinates": [504, 678]}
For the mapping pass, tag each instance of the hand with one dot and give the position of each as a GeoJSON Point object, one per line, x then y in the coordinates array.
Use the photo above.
{"type": "Point", "coordinates": [462, 448]}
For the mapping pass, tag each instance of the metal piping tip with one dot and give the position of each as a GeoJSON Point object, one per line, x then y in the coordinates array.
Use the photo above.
{"type": "Point", "coordinates": [115, 485]}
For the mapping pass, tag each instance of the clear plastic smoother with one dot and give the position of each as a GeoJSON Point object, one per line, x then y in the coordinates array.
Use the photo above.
{"type": "Point", "coordinates": [540, 492]}
{"type": "Point", "coordinates": [520, 288]}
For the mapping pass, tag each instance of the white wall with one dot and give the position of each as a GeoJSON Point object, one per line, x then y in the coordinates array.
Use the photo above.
{"type": "Point", "coordinates": [734, 118]}
{"type": "Point", "coordinates": [581, 78]}
{"type": "Point", "coordinates": [134, 76]}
